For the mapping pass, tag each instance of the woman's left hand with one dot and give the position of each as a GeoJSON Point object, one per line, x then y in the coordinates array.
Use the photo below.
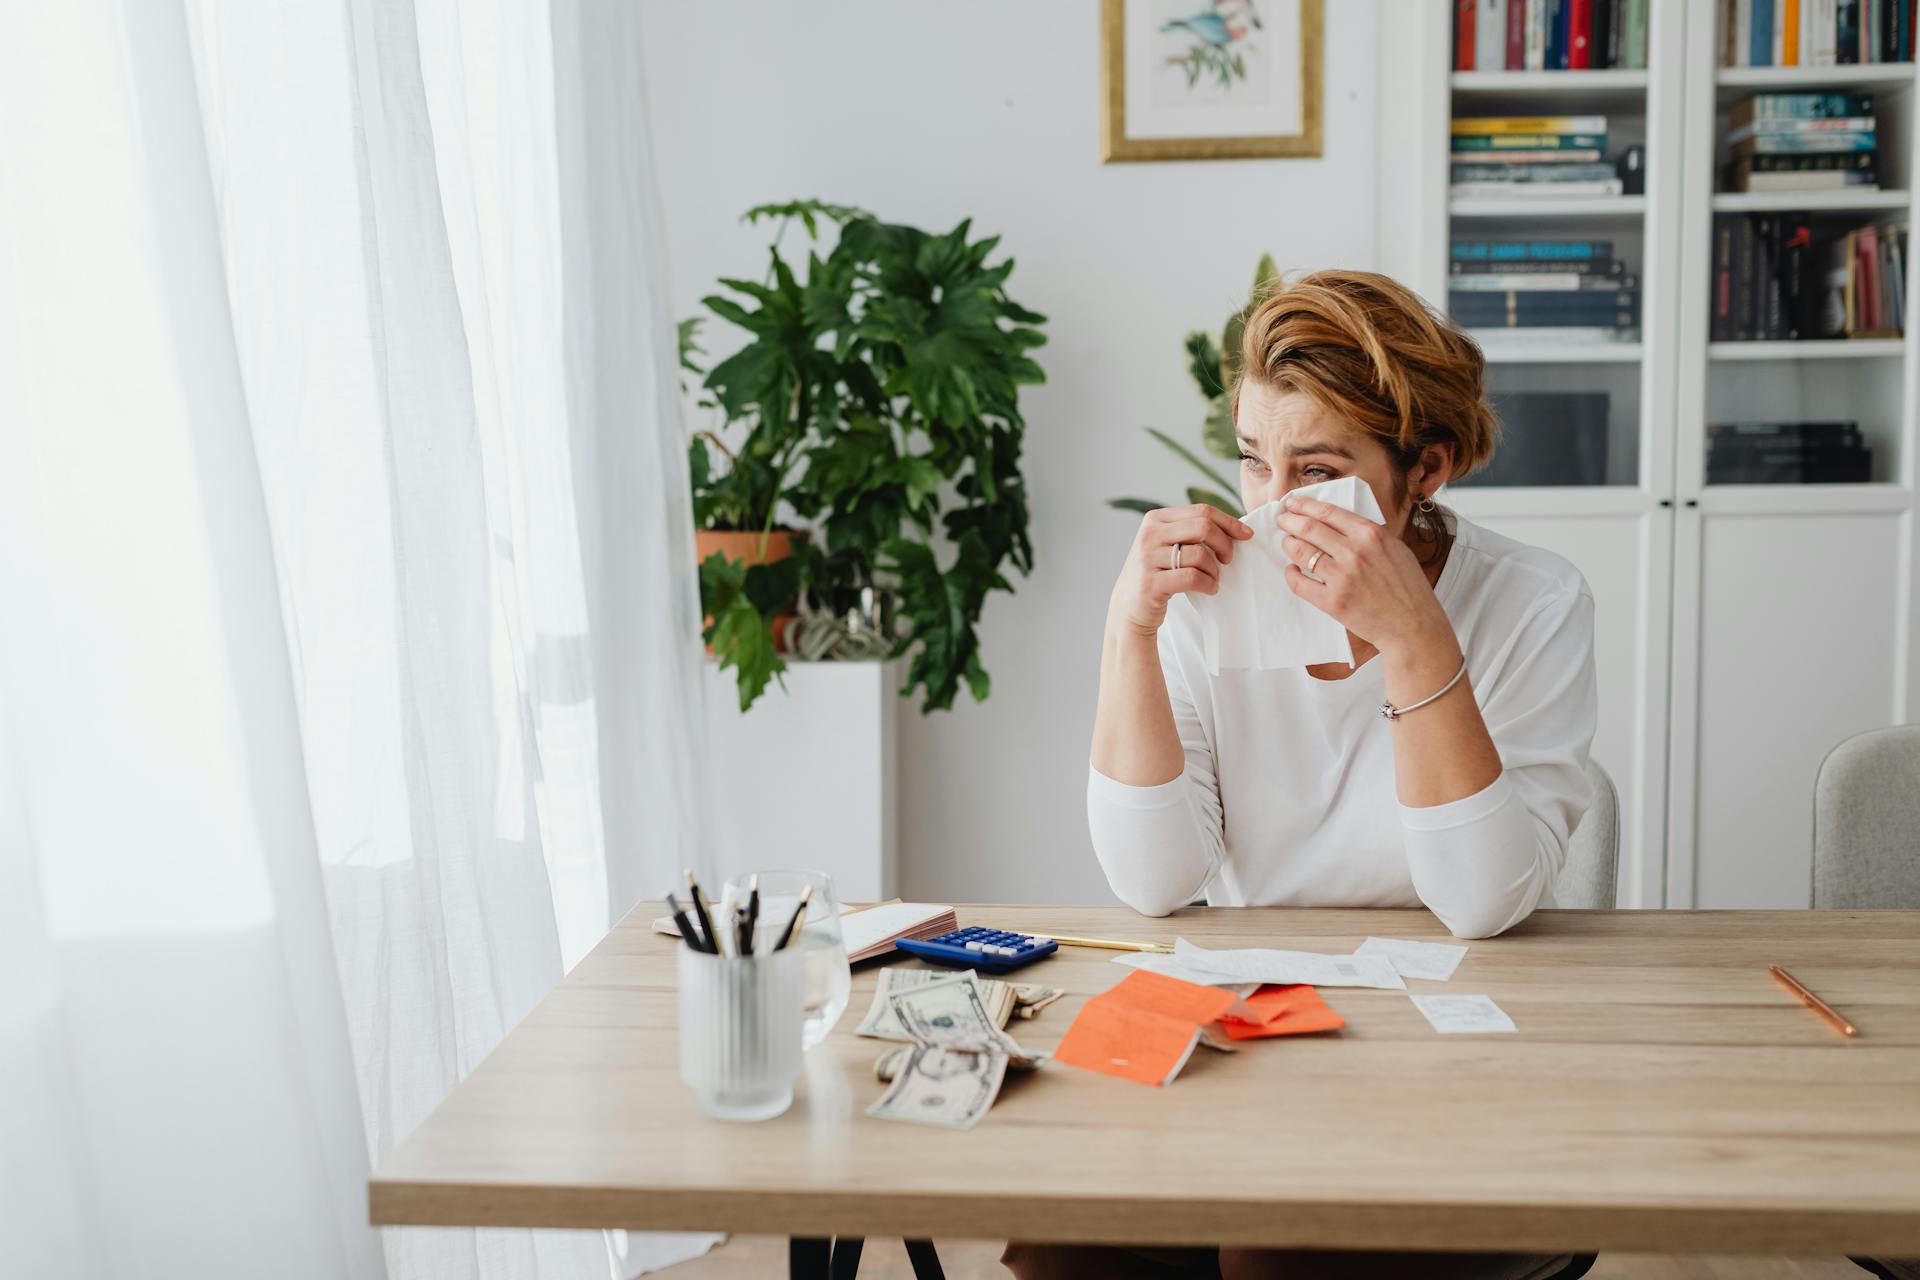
{"type": "Point", "coordinates": [1367, 579]}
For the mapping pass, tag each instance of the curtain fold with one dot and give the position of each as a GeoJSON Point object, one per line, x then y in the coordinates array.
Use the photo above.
{"type": "Point", "coordinates": [350, 641]}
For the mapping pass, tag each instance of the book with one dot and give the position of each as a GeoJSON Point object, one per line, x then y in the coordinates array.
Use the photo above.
{"type": "Point", "coordinates": [1552, 335]}
{"type": "Point", "coordinates": [1490, 35]}
{"type": "Point", "coordinates": [1590, 187]}
{"type": "Point", "coordinates": [1800, 127]}
{"type": "Point", "coordinates": [1788, 37]}
{"type": "Point", "coordinates": [1497, 142]}
{"type": "Point", "coordinates": [1800, 161]}
{"type": "Point", "coordinates": [1789, 143]}
{"type": "Point", "coordinates": [1557, 14]}
{"type": "Point", "coordinates": [1463, 44]}
{"type": "Point", "coordinates": [1760, 46]}
{"type": "Point", "coordinates": [1603, 33]}
{"type": "Point", "coordinates": [1846, 25]}
{"type": "Point", "coordinates": [1810, 180]}
{"type": "Point", "coordinates": [1633, 49]}
{"type": "Point", "coordinates": [1799, 106]}
{"type": "Point", "coordinates": [1721, 327]}
{"type": "Point", "coordinates": [1533, 174]}
{"type": "Point", "coordinates": [1527, 124]}
{"type": "Point", "coordinates": [1594, 269]}
{"type": "Point", "coordinates": [1619, 308]}
{"type": "Point", "coordinates": [1588, 155]}
{"type": "Point", "coordinates": [1529, 251]}
{"type": "Point", "coordinates": [1542, 281]}
{"type": "Point", "coordinates": [1824, 27]}
{"type": "Point", "coordinates": [1579, 35]}
{"type": "Point", "coordinates": [1536, 35]}
{"type": "Point", "coordinates": [1516, 50]}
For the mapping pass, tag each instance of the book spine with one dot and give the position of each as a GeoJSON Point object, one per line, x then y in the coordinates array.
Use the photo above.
{"type": "Point", "coordinates": [1723, 281]}
{"type": "Point", "coordinates": [1743, 280]}
{"type": "Point", "coordinates": [1472, 126]}
{"type": "Point", "coordinates": [1463, 35]}
{"type": "Point", "coordinates": [1802, 128]}
{"type": "Point", "coordinates": [1536, 35]}
{"type": "Point", "coordinates": [1800, 106]}
{"type": "Point", "coordinates": [1797, 245]}
{"type": "Point", "coordinates": [1516, 52]}
{"type": "Point", "coordinates": [1779, 33]}
{"type": "Point", "coordinates": [1579, 35]}
{"type": "Point", "coordinates": [1530, 250]}
{"type": "Point", "coordinates": [1791, 144]}
{"type": "Point", "coordinates": [1585, 187]}
{"type": "Point", "coordinates": [1773, 319]}
{"type": "Point", "coordinates": [1743, 33]}
{"type": "Point", "coordinates": [1603, 30]}
{"type": "Point", "coordinates": [1489, 35]}
{"type": "Point", "coordinates": [1483, 142]}
{"type": "Point", "coordinates": [1823, 28]}
{"type": "Point", "coordinates": [1535, 281]}
{"type": "Point", "coordinates": [1557, 13]}
{"type": "Point", "coordinates": [1634, 47]}
{"type": "Point", "coordinates": [1846, 32]}
{"type": "Point", "coordinates": [1729, 23]}
{"type": "Point", "coordinates": [1789, 33]}
{"type": "Point", "coordinates": [1533, 174]}
{"type": "Point", "coordinates": [1760, 53]}
{"type": "Point", "coordinates": [1807, 162]}
{"type": "Point", "coordinates": [1587, 155]}
{"type": "Point", "coordinates": [1598, 271]}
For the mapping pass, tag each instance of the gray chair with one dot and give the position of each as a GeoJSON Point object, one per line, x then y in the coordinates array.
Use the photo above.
{"type": "Point", "coordinates": [1866, 848]}
{"type": "Point", "coordinates": [1866, 821]}
{"type": "Point", "coordinates": [1593, 851]}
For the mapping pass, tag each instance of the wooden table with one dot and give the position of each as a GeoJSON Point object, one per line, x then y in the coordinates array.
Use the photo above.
{"type": "Point", "coordinates": [1662, 1093]}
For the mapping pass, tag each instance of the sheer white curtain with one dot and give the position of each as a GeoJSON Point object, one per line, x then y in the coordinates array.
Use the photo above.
{"type": "Point", "coordinates": [347, 622]}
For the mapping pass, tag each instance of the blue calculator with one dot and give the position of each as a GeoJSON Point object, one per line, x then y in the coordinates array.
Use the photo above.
{"type": "Point", "coordinates": [988, 950]}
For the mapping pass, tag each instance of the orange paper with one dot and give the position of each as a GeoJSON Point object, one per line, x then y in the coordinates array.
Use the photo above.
{"type": "Point", "coordinates": [1143, 1028]}
{"type": "Point", "coordinates": [1282, 1011]}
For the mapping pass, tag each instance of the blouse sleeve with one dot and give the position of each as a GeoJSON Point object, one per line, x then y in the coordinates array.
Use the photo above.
{"type": "Point", "coordinates": [1160, 845]}
{"type": "Point", "coordinates": [1483, 863]}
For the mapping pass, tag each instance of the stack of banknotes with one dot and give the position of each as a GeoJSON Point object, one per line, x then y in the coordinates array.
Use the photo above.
{"type": "Point", "coordinates": [957, 1051]}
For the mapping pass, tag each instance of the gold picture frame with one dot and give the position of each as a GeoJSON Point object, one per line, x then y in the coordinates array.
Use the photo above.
{"type": "Point", "coordinates": [1117, 146]}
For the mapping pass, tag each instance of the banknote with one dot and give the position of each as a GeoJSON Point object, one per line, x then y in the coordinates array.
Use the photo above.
{"type": "Point", "coordinates": [888, 1064]}
{"type": "Point", "coordinates": [948, 1087]}
{"type": "Point", "coordinates": [950, 1013]}
{"type": "Point", "coordinates": [998, 997]}
{"type": "Point", "coordinates": [1030, 998]}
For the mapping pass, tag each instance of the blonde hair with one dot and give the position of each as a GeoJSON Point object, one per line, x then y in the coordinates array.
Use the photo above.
{"type": "Point", "coordinates": [1369, 349]}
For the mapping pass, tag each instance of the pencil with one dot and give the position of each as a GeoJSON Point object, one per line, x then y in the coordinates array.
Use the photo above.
{"type": "Point", "coordinates": [700, 912]}
{"type": "Point", "coordinates": [1112, 944]}
{"type": "Point", "coordinates": [1812, 1001]}
{"type": "Point", "coordinates": [753, 911]}
{"type": "Point", "coordinates": [688, 933]}
{"type": "Point", "coordinates": [792, 931]}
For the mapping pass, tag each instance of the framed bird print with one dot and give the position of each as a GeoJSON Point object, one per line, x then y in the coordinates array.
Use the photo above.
{"type": "Point", "coordinates": [1210, 79]}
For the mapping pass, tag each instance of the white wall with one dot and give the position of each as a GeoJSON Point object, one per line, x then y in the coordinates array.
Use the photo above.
{"type": "Point", "coordinates": [927, 111]}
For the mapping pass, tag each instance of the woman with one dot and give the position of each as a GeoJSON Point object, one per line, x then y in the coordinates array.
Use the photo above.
{"type": "Point", "coordinates": [1287, 787]}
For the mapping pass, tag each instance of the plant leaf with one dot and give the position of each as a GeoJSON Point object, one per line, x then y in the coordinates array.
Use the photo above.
{"type": "Point", "coordinates": [1213, 499]}
{"type": "Point", "coordinates": [1191, 457]}
{"type": "Point", "coordinates": [1141, 505]}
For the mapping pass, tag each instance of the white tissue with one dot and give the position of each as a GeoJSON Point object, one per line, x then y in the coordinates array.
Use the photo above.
{"type": "Point", "coordinates": [1255, 621]}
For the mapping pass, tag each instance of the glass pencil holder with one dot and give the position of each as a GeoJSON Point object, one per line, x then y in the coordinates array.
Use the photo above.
{"type": "Point", "coordinates": [740, 1030]}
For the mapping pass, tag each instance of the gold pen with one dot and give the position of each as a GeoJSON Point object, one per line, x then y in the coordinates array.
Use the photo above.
{"type": "Point", "coordinates": [1112, 944]}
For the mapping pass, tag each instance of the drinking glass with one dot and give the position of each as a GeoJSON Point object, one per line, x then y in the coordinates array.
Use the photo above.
{"type": "Point", "coordinates": [829, 982]}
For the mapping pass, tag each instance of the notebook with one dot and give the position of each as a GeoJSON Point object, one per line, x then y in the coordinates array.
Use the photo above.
{"type": "Point", "coordinates": [871, 929]}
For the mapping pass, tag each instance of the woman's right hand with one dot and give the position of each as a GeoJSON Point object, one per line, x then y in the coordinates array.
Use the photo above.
{"type": "Point", "coordinates": [1205, 535]}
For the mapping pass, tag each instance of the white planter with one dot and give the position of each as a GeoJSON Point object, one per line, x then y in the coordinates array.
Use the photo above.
{"type": "Point", "coordinates": [805, 778]}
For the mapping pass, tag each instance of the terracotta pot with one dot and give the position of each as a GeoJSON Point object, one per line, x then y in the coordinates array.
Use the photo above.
{"type": "Point", "coordinates": [744, 544]}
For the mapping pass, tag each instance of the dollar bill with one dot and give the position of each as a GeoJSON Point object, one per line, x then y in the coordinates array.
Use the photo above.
{"type": "Point", "coordinates": [888, 1064]}
{"type": "Point", "coordinates": [1030, 998]}
{"type": "Point", "coordinates": [948, 1087]}
{"type": "Point", "coordinates": [997, 997]}
{"type": "Point", "coordinates": [950, 1013]}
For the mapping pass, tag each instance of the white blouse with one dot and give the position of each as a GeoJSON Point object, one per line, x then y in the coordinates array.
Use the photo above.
{"type": "Point", "coordinates": [1288, 794]}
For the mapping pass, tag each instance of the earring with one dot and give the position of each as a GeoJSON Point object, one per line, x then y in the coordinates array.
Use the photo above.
{"type": "Point", "coordinates": [1423, 504]}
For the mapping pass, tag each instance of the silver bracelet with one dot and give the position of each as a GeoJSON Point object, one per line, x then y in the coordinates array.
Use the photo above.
{"type": "Point", "coordinates": [1392, 712]}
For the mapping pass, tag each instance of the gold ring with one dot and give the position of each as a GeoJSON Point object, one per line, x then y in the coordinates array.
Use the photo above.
{"type": "Point", "coordinates": [1314, 561]}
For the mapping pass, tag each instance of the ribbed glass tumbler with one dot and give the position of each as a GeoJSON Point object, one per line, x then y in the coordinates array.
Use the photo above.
{"type": "Point", "coordinates": [740, 1020]}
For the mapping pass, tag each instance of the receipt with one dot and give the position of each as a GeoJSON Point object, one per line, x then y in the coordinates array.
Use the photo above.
{"type": "Point", "coordinates": [1223, 968]}
{"type": "Point", "coordinates": [1254, 620]}
{"type": "Point", "coordinates": [1411, 959]}
{"type": "Point", "coordinates": [1463, 1015]}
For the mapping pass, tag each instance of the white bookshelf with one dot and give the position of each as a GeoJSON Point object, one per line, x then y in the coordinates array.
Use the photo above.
{"type": "Point", "coordinates": [1741, 630]}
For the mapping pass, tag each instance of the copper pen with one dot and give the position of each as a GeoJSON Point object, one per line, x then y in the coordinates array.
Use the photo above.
{"type": "Point", "coordinates": [1812, 1001]}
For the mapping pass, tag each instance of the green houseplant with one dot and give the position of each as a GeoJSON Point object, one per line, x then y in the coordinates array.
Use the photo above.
{"type": "Point", "coordinates": [875, 403]}
{"type": "Point", "coordinates": [1213, 369]}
